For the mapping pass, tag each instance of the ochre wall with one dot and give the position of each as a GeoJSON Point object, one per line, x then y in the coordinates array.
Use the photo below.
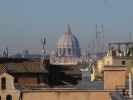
{"type": "Point", "coordinates": [10, 89]}
{"type": "Point", "coordinates": [14, 93]}
{"type": "Point", "coordinates": [113, 61]}
{"type": "Point", "coordinates": [107, 60]}
{"type": "Point", "coordinates": [28, 81]}
{"type": "Point", "coordinates": [66, 95]}
{"type": "Point", "coordinates": [114, 78]}
{"type": "Point", "coordinates": [118, 61]}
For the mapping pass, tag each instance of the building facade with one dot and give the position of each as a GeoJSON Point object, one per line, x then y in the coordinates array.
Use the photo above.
{"type": "Point", "coordinates": [7, 88]}
{"type": "Point", "coordinates": [118, 54]}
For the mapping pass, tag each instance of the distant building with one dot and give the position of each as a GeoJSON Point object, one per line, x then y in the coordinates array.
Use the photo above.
{"type": "Point", "coordinates": [25, 54]}
{"type": "Point", "coordinates": [118, 54]}
{"type": "Point", "coordinates": [64, 78]}
{"type": "Point", "coordinates": [25, 81]}
{"type": "Point", "coordinates": [8, 90]}
{"type": "Point", "coordinates": [68, 49]}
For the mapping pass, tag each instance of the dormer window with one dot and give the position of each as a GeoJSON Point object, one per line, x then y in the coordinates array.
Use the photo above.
{"type": "Point", "coordinates": [3, 83]}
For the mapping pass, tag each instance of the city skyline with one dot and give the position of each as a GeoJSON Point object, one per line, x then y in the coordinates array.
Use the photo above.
{"type": "Point", "coordinates": [22, 23]}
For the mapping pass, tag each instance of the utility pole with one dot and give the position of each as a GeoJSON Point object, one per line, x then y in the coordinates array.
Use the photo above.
{"type": "Point", "coordinates": [96, 40]}
{"type": "Point", "coordinates": [102, 30]}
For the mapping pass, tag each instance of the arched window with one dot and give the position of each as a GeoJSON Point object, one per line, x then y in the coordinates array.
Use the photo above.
{"type": "Point", "coordinates": [123, 62]}
{"type": "Point", "coordinates": [3, 83]}
{"type": "Point", "coordinates": [69, 51]}
{"type": "Point", "coordinates": [8, 97]}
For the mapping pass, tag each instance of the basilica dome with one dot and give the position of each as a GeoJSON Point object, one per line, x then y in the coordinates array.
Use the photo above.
{"type": "Point", "coordinates": [68, 45]}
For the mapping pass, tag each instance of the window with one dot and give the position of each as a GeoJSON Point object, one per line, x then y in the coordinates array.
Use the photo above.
{"type": "Point", "coordinates": [8, 97]}
{"type": "Point", "coordinates": [3, 83]}
{"type": "Point", "coordinates": [16, 80]}
{"type": "Point", "coordinates": [64, 50]}
{"type": "Point", "coordinates": [123, 62]}
{"type": "Point", "coordinates": [108, 62]}
{"type": "Point", "coordinates": [69, 51]}
{"type": "Point", "coordinates": [73, 52]}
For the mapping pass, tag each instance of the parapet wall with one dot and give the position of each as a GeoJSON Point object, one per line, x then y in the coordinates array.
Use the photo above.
{"type": "Point", "coordinates": [66, 95]}
{"type": "Point", "coordinates": [114, 77]}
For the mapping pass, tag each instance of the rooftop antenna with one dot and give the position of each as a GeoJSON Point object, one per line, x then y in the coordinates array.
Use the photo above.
{"type": "Point", "coordinates": [43, 51]}
{"type": "Point", "coordinates": [98, 38]}
{"type": "Point", "coordinates": [102, 30]}
{"type": "Point", "coordinates": [5, 52]}
{"type": "Point", "coordinates": [96, 31]}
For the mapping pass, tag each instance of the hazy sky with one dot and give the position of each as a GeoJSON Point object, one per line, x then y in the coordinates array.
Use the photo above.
{"type": "Point", "coordinates": [22, 21]}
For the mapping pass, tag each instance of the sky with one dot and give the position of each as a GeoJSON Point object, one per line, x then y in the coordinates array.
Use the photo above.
{"type": "Point", "coordinates": [23, 22]}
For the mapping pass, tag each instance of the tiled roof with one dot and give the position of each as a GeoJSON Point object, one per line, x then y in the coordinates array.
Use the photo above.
{"type": "Point", "coordinates": [87, 84]}
{"type": "Point", "coordinates": [35, 67]}
{"type": "Point", "coordinates": [25, 67]}
{"type": "Point", "coordinates": [68, 69]}
{"type": "Point", "coordinates": [12, 60]}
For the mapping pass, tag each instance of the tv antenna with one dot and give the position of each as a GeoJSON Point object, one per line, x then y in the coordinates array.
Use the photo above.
{"type": "Point", "coordinates": [5, 52]}
{"type": "Point", "coordinates": [99, 38]}
{"type": "Point", "coordinates": [43, 51]}
{"type": "Point", "coordinates": [43, 42]}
